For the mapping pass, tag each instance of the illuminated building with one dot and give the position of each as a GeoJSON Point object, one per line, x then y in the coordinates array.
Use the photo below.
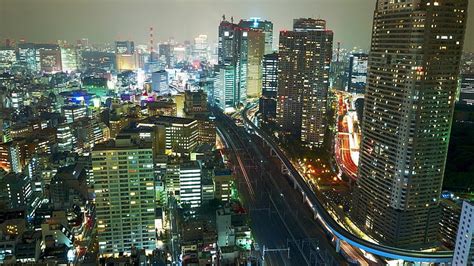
{"type": "Point", "coordinates": [125, 195]}
{"type": "Point", "coordinates": [124, 47]}
{"type": "Point", "coordinates": [464, 249]}
{"type": "Point", "coordinates": [303, 79]}
{"type": "Point", "coordinates": [166, 108]}
{"type": "Point", "coordinates": [409, 102]}
{"type": "Point", "coordinates": [467, 89]}
{"type": "Point", "coordinates": [206, 129]}
{"type": "Point", "coordinates": [357, 75]}
{"type": "Point", "coordinates": [126, 62]}
{"type": "Point", "coordinates": [448, 225]}
{"type": "Point", "coordinates": [69, 58]}
{"type": "Point", "coordinates": [7, 58]}
{"type": "Point", "coordinates": [65, 137]}
{"type": "Point", "coordinates": [99, 60]}
{"type": "Point", "coordinates": [256, 47]}
{"type": "Point", "coordinates": [164, 50]}
{"type": "Point", "coordinates": [15, 191]}
{"type": "Point", "coordinates": [225, 84]}
{"type": "Point", "coordinates": [223, 181]}
{"type": "Point", "coordinates": [232, 65]}
{"type": "Point", "coordinates": [74, 112]}
{"type": "Point", "coordinates": [48, 57]}
{"type": "Point", "coordinates": [180, 134]}
{"type": "Point", "coordinates": [27, 56]}
{"type": "Point", "coordinates": [159, 80]}
{"type": "Point", "coordinates": [195, 103]}
{"type": "Point", "coordinates": [10, 157]}
{"type": "Point", "coordinates": [190, 184]}
{"type": "Point", "coordinates": [201, 48]}
{"type": "Point", "coordinates": [265, 26]}
{"type": "Point", "coordinates": [178, 99]}
{"type": "Point", "coordinates": [267, 103]}
{"type": "Point", "coordinates": [171, 178]}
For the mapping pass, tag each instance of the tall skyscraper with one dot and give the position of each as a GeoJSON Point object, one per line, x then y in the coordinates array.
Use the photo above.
{"type": "Point", "coordinates": [413, 71]}
{"type": "Point", "coordinates": [256, 46]}
{"type": "Point", "coordinates": [263, 25]}
{"type": "Point", "coordinates": [267, 103]}
{"type": "Point", "coordinates": [125, 195]}
{"type": "Point", "coordinates": [232, 56]}
{"type": "Point", "coordinates": [303, 79]}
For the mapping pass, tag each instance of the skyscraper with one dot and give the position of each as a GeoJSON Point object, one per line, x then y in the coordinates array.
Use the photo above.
{"type": "Point", "coordinates": [267, 103]}
{"type": "Point", "coordinates": [256, 46]}
{"type": "Point", "coordinates": [232, 56]}
{"type": "Point", "coordinates": [409, 101]}
{"type": "Point", "coordinates": [303, 79]}
{"type": "Point", "coordinates": [357, 74]}
{"type": "Point", "coordinates": [125, 195]}
{"type": "Point", "coordinates": [265, 26]}
{"type": "Point", "coordinates": [464, 250]}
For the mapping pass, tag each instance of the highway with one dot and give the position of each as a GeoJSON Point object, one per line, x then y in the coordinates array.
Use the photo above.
{"type": "Point", "coordinates": [328, 221]}
{"type": "Point", "coordinates": [278, 218]}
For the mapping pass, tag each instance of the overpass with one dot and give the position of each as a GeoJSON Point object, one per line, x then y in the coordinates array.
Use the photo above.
{"type": "Point", "coordinates": [328, 221]}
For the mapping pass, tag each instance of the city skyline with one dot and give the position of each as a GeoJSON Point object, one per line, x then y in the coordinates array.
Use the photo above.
{"type": "Point", "coordinates": [111, 20]}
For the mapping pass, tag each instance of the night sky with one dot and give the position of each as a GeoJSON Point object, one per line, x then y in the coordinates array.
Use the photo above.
{"type": "Point", "coordinates": [108, 20]}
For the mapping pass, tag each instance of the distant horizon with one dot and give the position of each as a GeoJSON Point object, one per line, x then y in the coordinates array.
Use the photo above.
{"type": "Point", "coordinates": [105, 21]}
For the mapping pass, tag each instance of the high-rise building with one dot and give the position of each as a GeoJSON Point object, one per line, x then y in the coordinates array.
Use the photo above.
{"type": "Point", "coordinates": [412, 79]}
{"type": "Point", "coordinates": [69, 58]}
{"type": "Point", "coordinates": [357, 73]}
{"type": "Point", "coordinates": [27, 56]}
{"type": "Point", "coordinates": [195, 103]}
{"type": "Point", "coordinates": [263, 25]}
{"type": "Point", "coordinates": [48, 57]}
{"type": "Point", "coordinates": [125, 195]}
{"type": "Point", "coordinates": [7, 58]}
{"type": "Point", "coordinates": [303, 79]}
{"type": "Point", "coordinates": [201, 48]}
{"type": "Point", "coordinates": [74, 112]}
{"type": "Point", "coordinates": [159, 82]}
{"type": "Point", "coordinates": [267, 103]}
{"type": "Point", "coordinates": [232, 64]}
{"type": "Point", "coordinates": [190, 184]}
{"type": "Point", "coordinates": [124, 47]}
{"type": "Point", "coordinates": [165, 52]}
{"type": "Point", "coordinates": [464, 249]}
{"type": "Point", "coordinates": [256, 47]}
{"type": "Point", "coordinates": [466, 95]}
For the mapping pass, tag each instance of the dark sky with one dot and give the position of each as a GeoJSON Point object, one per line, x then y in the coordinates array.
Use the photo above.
{"type": "Point", "coordinates": [108, 20]}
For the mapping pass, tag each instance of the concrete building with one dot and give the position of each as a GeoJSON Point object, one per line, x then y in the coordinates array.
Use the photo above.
{"type": "Point", "coordinates": [159, 80]}
{"type": "Point", "coordinates": [125, 195]}
{"type": "Point", "coordinates": [190, 184]}
{"type": "Point", "coordinates": [303, 87]}
{"type": "Point", "coordinates": [464, 249]}
{"type": "Point", "coordinates": [268, 101]}
{"type": "Point", "coordinates": [409, 103]}
{"type": "Point", "coordinates": [466, 95]}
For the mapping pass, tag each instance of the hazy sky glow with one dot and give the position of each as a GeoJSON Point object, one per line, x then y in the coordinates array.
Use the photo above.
{"type": "Point", "coordinates": [108, 20]}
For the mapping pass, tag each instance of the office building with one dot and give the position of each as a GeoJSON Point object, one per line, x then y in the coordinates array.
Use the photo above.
{"type": "Point", "coordinates": [223, 182]}
{"type": "Point", "coordinates": [201, 48]}
{"type": "Point", "coordinates": [97, 60]}
{"type": "Point", "coordinates": [464, 249]}
{"type": "Point", "coordinates": [303, 87]}
{"type": "Point", "coordinates": [124, 47]}
{"type": "Point", "coordinates": [74, 112]}
{"type": "Point", "coordinates": [448, 225]}
{"type": "Point", "coordinates": [267, 103]}
{"type": "Point", "coordinates": [48, 58]}
{"type": "Point", "coordinates": [190, 184]}
{"type": "Point", "coordinates": [178, 135]}
{"type": "Point", "coordinates": [69, 58]}
{"type": "Point", "coordinates": [125, 195]}
{"type": "Point", "coordinates": [265, 26]}
{"type": "Point", "coordinates": [466, 95]}
{"type": "Point", "coordinates": [232, 64]}
{"type": "Point", "coordinates": [357, 73]}
{"type": "Point", "coordinates": [409, 102]}
{"type": "Point", "coordinates": [7, 58]}
{"type": "Point", "coordinates": [165, 53]}
{"type": "Point", "coordinates": [65, 137]}
{"type": "Point", "coordinates": [159, 82]}
{"type": "Point", "coordinates": [256, 48]}
{"type": "Point", "coordinates": [27, 56]}
{"type": "Point", "coordinates": [195, 103]}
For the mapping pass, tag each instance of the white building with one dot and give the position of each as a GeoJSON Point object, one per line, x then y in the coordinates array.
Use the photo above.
{"type": "Point", "coordinates": [190, 184]}
{"type": "Point", "coordinates": [464, 249]}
